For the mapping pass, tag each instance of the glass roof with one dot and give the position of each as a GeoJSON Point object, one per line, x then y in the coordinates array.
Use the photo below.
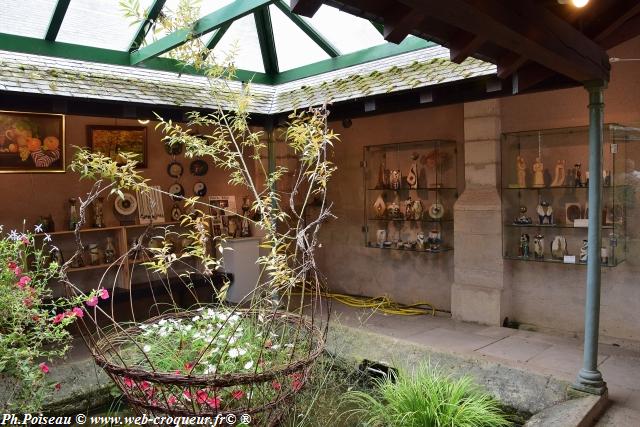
{"type": "Point", "coordinates": [103, 24]}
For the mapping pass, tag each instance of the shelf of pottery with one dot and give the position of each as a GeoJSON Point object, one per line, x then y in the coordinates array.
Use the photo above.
{"type": "Point", "coordinates": [108, 255]}
{"type": "Point", "coordinates": [410, 189]}
{"type": "Point", "coordinates": [545, 188]}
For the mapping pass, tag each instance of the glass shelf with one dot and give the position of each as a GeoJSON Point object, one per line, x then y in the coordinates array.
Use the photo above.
{"type": "Point", "coordinates": [552, 260]}
{"type": "Point", "coordinates": [443, 250]}
{"type": "Point", "coordinates": [562, 187]}
{"type": "Point", "coordinates": [552, 226]}
{"type": "Point", "coordinates": [428, 165]}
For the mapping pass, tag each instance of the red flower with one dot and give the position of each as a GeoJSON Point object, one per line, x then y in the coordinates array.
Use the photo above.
{"type": "Point", "coordinates": [237, 394]}
{"type": "Point", "coordinates": [187, 395]}
{"type": "Point", "coordinates": [144, 385]}
{"type": "Point", "coordinates": [78, 311]}
{"type": "Point", "coordinates": [103, 293]}
{"type": "Point", "coordinates": [57, 387]}
{"type": "Point", "coordinates": [214, 402]}
{"type": "Point", "coordinates": [25, 240]}
{"type": "Point", "coordinates": [297, 376]}
{"type": "Point", "coordinates": [92, 302]}
{"type": "Point", "coordinates": [296, 385]}
{"type": "Point", "coordinates": [188, 366]}
{"type": "Point", "coordinates": [172, 400]}
{"type": "Point", "coordinates": [24, 281]}
{"type": "Point", "coordinates": [44, 368]}
{"type": "Point", "coordinates": [202, 396]}
{"type": "Point", "coordinates": [12, 265]}
{"type": "Point", "coordinates": [276, 385]}
{"type": "Point", "coordinates": [128, 382]}
{"type": "Point", "coordinates": [28, 302]}
{"type": "Point", "coordinates": [58, 318]}
{"type": "Point", "coordinates": [17, 271]}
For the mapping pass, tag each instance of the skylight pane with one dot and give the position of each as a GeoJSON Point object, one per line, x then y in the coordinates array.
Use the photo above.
{"type": "Point", "coordinates": [98, 23]}
{"type": "Point", "coordinates": [28, 18]}
{"type": "Point", "coordinates": [293, 47]}
{"type": "Point", "coordinates": [347, 32]}
{"type": "Point", "coordinates": [171, 7]}
{"type": "Point", "coordinates": [242, 40]}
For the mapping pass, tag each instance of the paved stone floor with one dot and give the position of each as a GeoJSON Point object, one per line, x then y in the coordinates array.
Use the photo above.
{"type": "Point", "coordinates": [559, 356]}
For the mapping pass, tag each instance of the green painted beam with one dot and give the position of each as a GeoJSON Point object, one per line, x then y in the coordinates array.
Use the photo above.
{"type": "Point", "coordinates": [145, 26]}
{"type": "Point", "coordinates": [204, 25]}
{"type": "Point", "coordinates": [56, 20]}
{"type": "Point", "coordinates": [308, 29]}
{"type": "Point", "coordinates": [356, 58]}
{"type": "Point", "coordinates": [21, 44]}
{"type": "Point", "coordinates": [378, 26]}
{"type": "Point", "coordinates": [217, 36]}
{"type": "Point", "coordinates": [267, 42]}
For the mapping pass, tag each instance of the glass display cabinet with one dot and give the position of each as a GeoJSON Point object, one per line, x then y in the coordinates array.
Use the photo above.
{"type": "Point", "coordinates": [410, 189]}
{"type": "Point", "coordinates": [545, 189]}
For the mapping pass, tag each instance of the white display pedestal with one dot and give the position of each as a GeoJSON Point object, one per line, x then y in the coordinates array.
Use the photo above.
{"type": "Point", "coordinates": [241, 261]}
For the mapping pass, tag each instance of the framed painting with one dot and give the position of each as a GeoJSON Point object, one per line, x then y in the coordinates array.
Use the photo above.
{"type": "Point", "coordinates": [31, 142]}
{"type": "Point", "coordinates": [222, 208]}
{"type": "Point", "coordinates": [112, 141]}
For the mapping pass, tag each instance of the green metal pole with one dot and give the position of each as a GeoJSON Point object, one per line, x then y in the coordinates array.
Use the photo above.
{"type": "Point", "coordinates": [589, 378]}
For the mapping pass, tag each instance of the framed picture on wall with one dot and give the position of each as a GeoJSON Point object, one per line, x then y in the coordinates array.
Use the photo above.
{"type": "Point", "coordinates": [31, 142]}
{"type": "Point", "coordinates": [222, 207]}
{"type": "Point", "coordinates": [112, 141]}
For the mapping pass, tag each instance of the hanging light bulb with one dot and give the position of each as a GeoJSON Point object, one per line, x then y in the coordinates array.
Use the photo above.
{"type": "Point", "coordinates": [579, 3]}
{"type": "Point", "coordinates": [143, 122]}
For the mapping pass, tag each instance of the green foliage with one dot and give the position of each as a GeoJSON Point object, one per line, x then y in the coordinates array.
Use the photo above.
{"type": "Point", "coordinates": [424, 399]}
{"type": "Point", "coordinates": [33, 325]}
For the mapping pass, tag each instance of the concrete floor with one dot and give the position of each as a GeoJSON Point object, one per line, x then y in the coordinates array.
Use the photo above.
{"type": "Point", "coordinates": [546, 354]}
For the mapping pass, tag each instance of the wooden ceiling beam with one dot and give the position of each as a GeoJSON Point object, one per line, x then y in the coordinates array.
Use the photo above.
{"type": "Point", "coordinates": [623, 28]}
{"type": "Point", "coordinates": [509, 64]}
{"type": "Point", "coordinates": [530, 75]}
{"type": "Point", "coordinates": [463, 45]}
{"type": "Point", "coordinates": [306, 8]}
{"type": "Point", "coordinates": [527, 28]}
{"type": "Point", "coordinates": [399, 23]}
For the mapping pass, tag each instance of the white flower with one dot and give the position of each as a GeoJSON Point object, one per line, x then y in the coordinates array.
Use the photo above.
{"type": "Point", "coordinates": [233, 353]}
{"type": "Point", "coordinates": [242, 351]}
{"type": "Point", "coordinates": [195, 318]}
{"type": "Point", "coordinates": [200, 309]}
{"type": "Point", "coordinates": [232, 340]}
{"type": "Point", "coordinates": [146, 348]}
{"type": "Point", "coordinates": [234, 318]}
{"type": "Point", "coordinates": [47, 238]}
{"type": "Point", "coordinates": [289, 345]}
{"type": "Point", "coordinates": [210, 369]}
{"type": "Point", "coordinates": [248, 365]}
{"type": "Point", "coordinates": [162, 321]}
{"type": "Point", "coordinates": [210, 312]}
{"type": "Point", "coordinates": [275, 346]}
{"type": "Point", "coordinates": [38, 228]}
{"type": "Point", "coordinates": [14, 235]}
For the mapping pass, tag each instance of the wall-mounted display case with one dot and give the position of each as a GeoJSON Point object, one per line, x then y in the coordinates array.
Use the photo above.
{"type": "Point", "coordinates": [545, 189]}
{"type": "Point", "coordinates": [410, 189]}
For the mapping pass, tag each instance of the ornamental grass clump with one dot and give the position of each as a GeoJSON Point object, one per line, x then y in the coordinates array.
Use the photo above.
{"type": "Point", "coordinates": [424, 398]}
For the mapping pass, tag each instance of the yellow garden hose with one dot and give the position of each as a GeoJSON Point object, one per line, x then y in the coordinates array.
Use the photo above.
{"type": "Point", "coordinates": [383, 304]}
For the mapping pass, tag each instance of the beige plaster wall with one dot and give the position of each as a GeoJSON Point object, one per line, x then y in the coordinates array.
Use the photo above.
{"type": "Point", "coordinates": [27, 196]}
{"type": "Point", "coordinates": [552, 296]}
{"type": "Point", "coordinates": [349, 265]}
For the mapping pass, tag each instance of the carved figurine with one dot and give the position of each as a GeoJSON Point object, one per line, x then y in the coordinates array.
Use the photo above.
{"type": "Point", "coordinates": [545, 213]}
{"type": "Point", "coordinates": [393, 211]}
{"type": "Point", "coordinates": [379, 207]}
{"type": "Point", "coordinates": [578, 167]}
{"type": "Point", "coordinates": [559, 247]}
{"type": "Point", "coordinates": [434, 239]}
{"type": "Point", "coordinates": [524, 245]}
{"type": "Point", "coordinates": [396, 179]}
{"type": "Point", "coordinates": [412, 176]}
{"type": "Point", "coordinates": [420, 241]}
{"type": "Point", "coordinates": [583, 251]}
{"type": "Point", "coordinates": [522, 172]}
{"type": "Point", "coordinates": [523, 219]}
{"type": "Point", "coordinates": [381, 237]}
{"type": "Point", "coordinates": [417, 209]}
{"type": "Point", "coordinates": [538, 173]}
{"type": "Point", "coordinates": [560, 174]}
{"type": "Point", "coordinates": [408, 208]}
{"type": "Point", "coordinates": [538, 246]}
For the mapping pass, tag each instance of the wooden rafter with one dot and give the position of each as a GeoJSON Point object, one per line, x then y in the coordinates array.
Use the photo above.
{"type": "Point", "coordinates": [399, 23]}
{"type": "Point", "coordinates": [623, 28]}
{"type": "Point", "coordinates": [306, 8]}
{"type": "Point", "coordinates": [464, 45]}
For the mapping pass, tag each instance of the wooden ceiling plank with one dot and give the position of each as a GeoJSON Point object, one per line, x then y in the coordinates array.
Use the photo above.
{"type": "Point", "coordinates": [526, 28]}
{"type": "Point", "coordinates": [464, 45]}
{"type": "Point", "coordinates": [531, 75]}
{"type": "Point", "coordinates": [400, 23]}
{"type": "Point", "coordinates": [509, 64]}
{"type": "Point", "coordinates": [618, 22]}
{"type": "Point", "coordinates": [306, 8]}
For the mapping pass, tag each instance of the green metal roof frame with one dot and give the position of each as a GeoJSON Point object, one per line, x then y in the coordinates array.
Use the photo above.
{"type": "Point", "coordinates": [217, 22]}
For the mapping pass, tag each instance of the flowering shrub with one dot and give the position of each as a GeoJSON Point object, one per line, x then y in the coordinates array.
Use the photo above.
{"type": "Point", "coordinates": [33, 325]}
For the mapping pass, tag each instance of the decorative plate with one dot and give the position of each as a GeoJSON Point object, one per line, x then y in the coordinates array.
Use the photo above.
{"type": "Point", "coordinates": [436, 211]}
{"type": "Point", "coordinates": [199, 167]}
{"type": "Point", "coordinates": [176, 191]}
{"type": "Point", "coordinates": [173, 149]}
{"type": "Point", "coordinates": [175, 170]}
{"type": "Point", "coordinates": [126, 205]}
{"type": "Point", "coordinates": [199, 189]}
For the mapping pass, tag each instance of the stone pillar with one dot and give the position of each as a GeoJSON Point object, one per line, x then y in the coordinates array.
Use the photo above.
{"type": "Point", "coordinates": [480, 293]}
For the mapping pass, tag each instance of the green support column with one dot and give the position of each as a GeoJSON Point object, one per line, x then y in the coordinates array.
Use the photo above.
{"type": "Point", "coordinates": [589, 378]}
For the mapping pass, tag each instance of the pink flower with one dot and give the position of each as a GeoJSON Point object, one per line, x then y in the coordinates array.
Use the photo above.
{"type": "Point", "coordinates": [92, 302]}
{"type": "Point", "coordinates": [103, 293]}
{"type": "Point", "coordinates": [202, 396]}
{"type": "Point", "coordinates": [144, 385]}
{"type": "Point", "coordinates": [214, 402]}
{"type": "Point", "coordinates": [237, 394]}
{"type": "Point", "coordinates": [188, 366]}
{"type": "Point", "coordinates": [187, 395]}
{"type": "Point", "coordinates": [276, 385]}
{"type": "Point", "coordinates": [78, 311]}
{"type": "Point", "coordinates": [17, 271]}
{"type": "Point", "coordinates": [58, 318]}
{"type": "Point", "coordinates": [12, 265]}
{"type": "Point", "coordinates": [25, 240]}
{"type": "Point", "coordinates": [69, 313]}
{"type": "Point", "coordinates": [128, 382]}
{"type": "Point", "coordinates": [172, 400]}
{"type": "Point", "coordinates": [44, 368]}
{"type": "Point", "coordinates": [24, 281]}
{"type": "Point", "coordinates": [28, 302]}
{"type": "Point", "coordinates": [296, 385]}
